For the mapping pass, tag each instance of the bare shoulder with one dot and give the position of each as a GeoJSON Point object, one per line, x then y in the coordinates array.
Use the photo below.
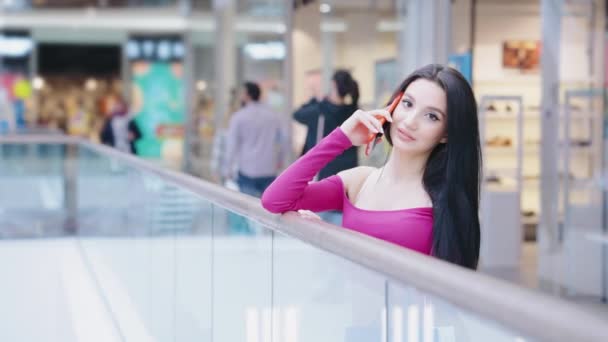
{"type": "Point", "coordinates": [353, 178]}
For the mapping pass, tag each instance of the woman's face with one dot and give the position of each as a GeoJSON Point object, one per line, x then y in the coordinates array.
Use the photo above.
{"type": "Point", "coordinates": [420, 119]}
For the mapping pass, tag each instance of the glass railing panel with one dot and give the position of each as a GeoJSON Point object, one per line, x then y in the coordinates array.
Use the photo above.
{"type": "Point", "coordinates": [32, 200]}
{"type": "Point", "coordinates": [71, 4]}
{"type": "Point", "coordinates": [321, 297]}
{"type": "Point", "coordinates": [130, 259]}
{"type": "Point", "coordinates": [193, 275]}
{"type": "Point", "coordinates": [36, 275]}
{"type": "Point", "coordinates": [32, 159]}
{"type": "Point", "coordinates": [202, 5]}
{"type": "Point", "coordinates": [242, 278]}
{"type": "Point", "coordinates": [148, 244]}
{"type": "Point", "coordinates": [415, 315]}
{"type": "Point", "coordinates": [39, 270]}
{"type": "Point", "coordinates": [262, 8]}
{"type": "Point", "coordinates": [154, 261]}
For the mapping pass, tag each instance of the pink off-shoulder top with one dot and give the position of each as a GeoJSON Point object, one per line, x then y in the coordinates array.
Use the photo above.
{"type": "Point", "coordinates": [293, 190]}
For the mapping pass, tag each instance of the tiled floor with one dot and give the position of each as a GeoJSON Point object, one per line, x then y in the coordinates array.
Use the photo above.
{"type": "Point", "coordinates": [526, 276]}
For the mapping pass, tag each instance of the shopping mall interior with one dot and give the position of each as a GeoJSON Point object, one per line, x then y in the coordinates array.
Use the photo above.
{"type": "Point", "coordinates": [99, 244]}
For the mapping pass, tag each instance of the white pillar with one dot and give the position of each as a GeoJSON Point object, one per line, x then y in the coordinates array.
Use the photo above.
{"type": "Point", "coordinates": [306, 49]}
{"type": "Point", "coordinates": [462, 26]}
{"type": "Point", "coordinates": [225, 56]}
{"type": "Point", "coordinates": [550, 59]}
{"type": "Point", "coordinates": [190, 127]}
{"type": "Point", "coordinates": [548, 227]}
{"type": "Point", "coordinates": [426, 34]}
{"type": "Point", "coordinates": [288, 63]}
{"type": "Point", "coordinates": [288, 81]}
{"type": "Point", "coordinates": [328, 43]}
{"type": "Point", "coordinates": [125, 70]}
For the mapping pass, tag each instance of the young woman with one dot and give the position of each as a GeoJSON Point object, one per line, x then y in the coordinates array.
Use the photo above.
{"type": "Point", "coordinates": [426, 197]}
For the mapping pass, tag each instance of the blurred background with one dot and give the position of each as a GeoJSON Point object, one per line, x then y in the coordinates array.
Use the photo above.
{"type": "Point", "coordinates": [538, 68]}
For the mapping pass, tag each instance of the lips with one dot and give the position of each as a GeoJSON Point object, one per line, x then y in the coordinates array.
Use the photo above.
{"type": "Point", "coordinates": [405, 136]}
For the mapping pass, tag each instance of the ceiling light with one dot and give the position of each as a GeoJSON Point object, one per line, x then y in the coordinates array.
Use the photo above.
{"type": "Point", "coordinates": [325, 8]}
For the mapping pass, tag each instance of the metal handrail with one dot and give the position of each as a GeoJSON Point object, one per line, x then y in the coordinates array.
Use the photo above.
{"type": "Point", "coordinates": [537, 315]}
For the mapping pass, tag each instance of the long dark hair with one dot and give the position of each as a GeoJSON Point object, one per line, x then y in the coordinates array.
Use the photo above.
{"type": "Point", "coordinates": [452, 172]}
{"type": "Point", "coordinates": [346, 85]}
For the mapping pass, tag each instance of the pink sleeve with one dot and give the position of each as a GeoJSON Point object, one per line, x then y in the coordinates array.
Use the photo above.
{"type": "Point", "coordinates": [292, 190]}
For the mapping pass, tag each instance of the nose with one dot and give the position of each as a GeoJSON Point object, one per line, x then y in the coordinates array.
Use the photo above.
{"type": "Point", "coordinates": [411, 120]}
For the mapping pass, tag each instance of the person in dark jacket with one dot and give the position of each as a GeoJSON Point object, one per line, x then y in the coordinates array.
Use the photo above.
{"type": "Point", "coordinates": [323, 116]}
{"type": "Point", "coordinates": [119, 130]}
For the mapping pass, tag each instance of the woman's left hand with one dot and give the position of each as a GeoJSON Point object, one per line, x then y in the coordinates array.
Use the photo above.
{"type": "Point", "coordinates": [309, 215]}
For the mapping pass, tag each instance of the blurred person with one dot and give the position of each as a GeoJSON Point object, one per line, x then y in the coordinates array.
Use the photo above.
{"type": "Point", "coordinates": [22, 90]}
{"type": "Point", "coordinates": [274, 97]}
{"type": "Point", "coordinates": [218, 152]}
{"type": "Point", "coordinates": [255, 143]}
{"type": "Point", "coordinates": [79, 117]}
{"type": "Point", "coordinates": [52, 117]}
{"type": "Point", "coordinates": [323, 115]}
{"type": "Point", "coordinates": [44, 119]}
{"type": "Point", "coordinates": [426, 197]}
{"type": "Point", "coordinates": [60, 118]}
{"type": "Point", "coordinates": [218, 166]}
{"type": "Point", "coordinates": [120, 130]}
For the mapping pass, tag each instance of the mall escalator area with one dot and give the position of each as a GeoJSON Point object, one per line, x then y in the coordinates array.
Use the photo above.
{"type": "Point", "coordinates": [101, 246]}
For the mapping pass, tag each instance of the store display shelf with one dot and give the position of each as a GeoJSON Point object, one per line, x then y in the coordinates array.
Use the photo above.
{"type": "Point", "coordinates": [528, 114]}
{"type": "Point", "coordinates": [533, 148]}
{"type": "Point", "coordinates": [582, 183]}
{"type": "Point", "coordinates": [498, 178]}
{"type": "Point", "coordinates": [497, 187]}
{"type": "Point", "coordinates": [598, 237]}
{"type": "Point", "coordinates": [510, 149]}
{"type": "Point", "coordinates": [531, 220]}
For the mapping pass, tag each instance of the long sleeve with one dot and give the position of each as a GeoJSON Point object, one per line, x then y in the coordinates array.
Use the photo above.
{"type": "Point", "coordinates": [134, 130]}
{"type": "Point", "coordinates": [107, 136]}
{"type": "Point", "coordinates": [308, 114]}
{"type": "Point", "coordinates": [292, 190]}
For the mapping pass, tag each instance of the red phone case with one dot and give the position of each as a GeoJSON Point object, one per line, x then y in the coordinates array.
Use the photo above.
{"type": "Point", "coordinates": [374, 138]}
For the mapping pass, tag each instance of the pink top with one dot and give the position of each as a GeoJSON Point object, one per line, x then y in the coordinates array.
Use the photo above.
{"type": "Point", "coordinates": [411, 228]}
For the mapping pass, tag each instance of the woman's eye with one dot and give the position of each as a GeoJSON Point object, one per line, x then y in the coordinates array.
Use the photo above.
{"type": "Point", "coordinates": [433, 116]}
{"type": "Point", "coordinates": [407, 103]}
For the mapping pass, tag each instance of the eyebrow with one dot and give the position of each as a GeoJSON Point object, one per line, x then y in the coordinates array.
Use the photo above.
{"type": "Point", "coordinates": [430, 107]}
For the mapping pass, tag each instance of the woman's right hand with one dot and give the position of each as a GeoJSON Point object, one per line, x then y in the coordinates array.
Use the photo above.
{"type": "Point", "coordinates": [361, 124]}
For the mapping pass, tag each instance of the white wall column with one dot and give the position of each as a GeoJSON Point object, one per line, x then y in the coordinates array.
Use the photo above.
{"type": "Point", "coordinates": [288, 64]}
{"type": "Point", "coordinates": [190, 120]}
{"type": "Point", "coordinates": [426, 34]}
{"type": "Point", "coordinates": [306, 49]}
{"type": "Point", "coordinates": [225, 56]}
{"type": "Point", "coordinates": [461, 26]}
{"type": "Point", "coordinates": [328, 44]}
{"type": "Point", "coordinates": [548, 228]}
